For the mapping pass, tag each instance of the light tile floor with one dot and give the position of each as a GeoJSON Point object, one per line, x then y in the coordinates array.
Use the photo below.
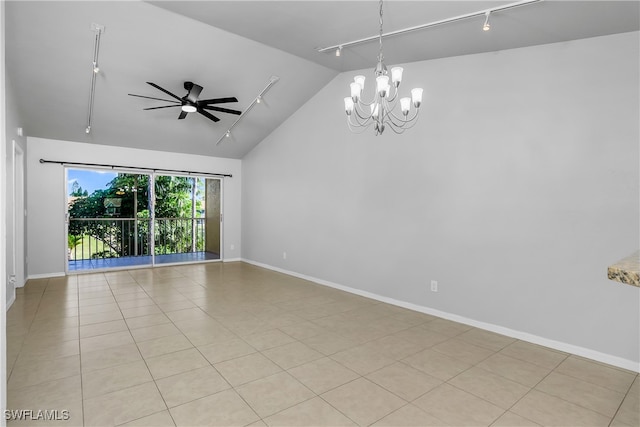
{"type": "Point", "coordinates": [234, 344]}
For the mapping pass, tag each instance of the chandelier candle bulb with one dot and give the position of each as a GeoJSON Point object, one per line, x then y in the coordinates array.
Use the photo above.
{"type": "Point", "coordinates": [360, 81]}
{"type": "Point", "coordinates": [356, 89]}
{"type": "Point", "coordinates": [396, 75]}
{"type": "Point", "coordinates": [405, 105]}
{"type": "Point", "coordinates": [382, 85]}
{"type": "Point", "coordinates": [416, 97]}
{"type": "Point", "coordinates": [348, 105]}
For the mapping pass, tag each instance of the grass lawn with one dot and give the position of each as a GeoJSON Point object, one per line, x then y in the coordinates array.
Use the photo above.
{"type": "Point", "coordinates": [87, 247]}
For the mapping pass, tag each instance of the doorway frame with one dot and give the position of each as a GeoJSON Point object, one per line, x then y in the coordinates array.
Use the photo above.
{"type": "Point", "coordinates": [18, 269]}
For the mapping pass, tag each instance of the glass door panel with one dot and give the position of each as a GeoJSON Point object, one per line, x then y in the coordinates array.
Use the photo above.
{"type": "Point", "coordinates": [181, 231]}
{"type": "Point", "coordinates": [108, 219]}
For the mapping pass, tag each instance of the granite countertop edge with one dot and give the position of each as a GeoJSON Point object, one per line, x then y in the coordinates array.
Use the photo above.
{"type": "Point", "coordinates": [627, 270]}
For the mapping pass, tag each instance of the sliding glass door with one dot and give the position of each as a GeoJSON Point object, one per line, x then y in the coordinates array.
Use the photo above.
{"type": "Point", "coordinates": [120, 220]}
{"type": "Point", "coordinates": [184, 225]}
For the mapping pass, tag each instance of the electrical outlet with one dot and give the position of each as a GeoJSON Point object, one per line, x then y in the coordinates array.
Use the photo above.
{"type": "Point", "coordinates": [284, 255]}
{"type": "Point", "coordinates": [434, 286]}
{"type": "Point", "coordinates": [233, 247]}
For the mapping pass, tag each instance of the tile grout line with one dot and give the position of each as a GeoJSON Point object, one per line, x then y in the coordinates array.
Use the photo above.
{"type": "Point", "coordinates": [146, 364]}
{"type": "Point", "coordinates": [623, 399]}
{"type": "Point", "coordinates": [80, 356]}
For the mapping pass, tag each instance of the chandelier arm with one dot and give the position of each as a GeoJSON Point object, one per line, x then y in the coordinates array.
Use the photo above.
{"type": "Point", "coordinates": [365, 103]}
{"type": "Point", "coordinates": [397, 128]}
{"type": "Point", "coordinates": [359, 108]}
{"type": "Point", "coordinates": [397, 131]}
{"type": "Point", "coordinates": [356, 128]}
{"type": "Point", "coordinates": [361, 120]}
{"type": "Point", "coordinates": [405, 124]}
{"type": "Point", "coordinates": [401, 121]}
{"type": "Point", "coordinates": [392, 96]}
{"type": "Point", "coordinates": [361, 115]}
{"type": "Point", "coordinates": [390, 117]}
{"type": "Point", "coordinates": [360, 123]}
{"type": "Point", "coordinates": [390, 104]}
{"type": "Point", "coordinates": [401, 129]}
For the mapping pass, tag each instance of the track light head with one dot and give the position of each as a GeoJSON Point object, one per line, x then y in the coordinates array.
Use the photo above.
{"type": "Point", "coordinates": [487, 24]}
{"type": "Point", "coordinates": [339, 51]}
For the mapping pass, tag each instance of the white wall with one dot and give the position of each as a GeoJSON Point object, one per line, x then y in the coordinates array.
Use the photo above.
{"type": "Point", "coordinates": [515, 190]}
{"type": "Point", "coordinates": [46, 193]}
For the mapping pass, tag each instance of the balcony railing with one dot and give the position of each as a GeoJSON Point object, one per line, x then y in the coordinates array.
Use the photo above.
{"type": "Point", "coordinates": [99, 238]}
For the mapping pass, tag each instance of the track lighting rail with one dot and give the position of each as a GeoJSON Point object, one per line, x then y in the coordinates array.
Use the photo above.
{"type": "Point", "coordinates": [95, 69]}
{"type": "Point", "coordinates": [257, 100]}
{"type": "Point", "coordinates": [485, 12]}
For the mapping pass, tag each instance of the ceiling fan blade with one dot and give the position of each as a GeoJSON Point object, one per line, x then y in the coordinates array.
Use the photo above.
{"type": "Point", "coordinates": [182, 115]}
{"type": "Point", "coordinates": [149, 97]}
{"type": "Point", "coordinates": [164, 106]}
{"type": "Point", "coordinates": [222, 110]}
{"type": "Point", "coordinates": [165, 91]}
{"type": "Point", "coordinates": [194, 92]}
{"type": "Point", "coordinates": [207, 115]}
{"type": "Point", "coordinates": [217, 100]}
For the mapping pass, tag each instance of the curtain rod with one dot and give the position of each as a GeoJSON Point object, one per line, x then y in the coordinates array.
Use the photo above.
{"type": "Point", "coordinates": [224, 175]}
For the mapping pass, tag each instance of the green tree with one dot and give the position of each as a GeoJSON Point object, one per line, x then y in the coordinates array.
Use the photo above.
{"type": "Point", "coordinates": [77, 191]}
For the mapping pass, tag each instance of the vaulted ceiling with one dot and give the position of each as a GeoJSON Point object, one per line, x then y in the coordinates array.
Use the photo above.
{"type": "Point", "coordinates": [233, 48]}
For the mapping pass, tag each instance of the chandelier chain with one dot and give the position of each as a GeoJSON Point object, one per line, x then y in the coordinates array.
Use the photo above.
{"type": "Point", "coordinates": [380, 56]}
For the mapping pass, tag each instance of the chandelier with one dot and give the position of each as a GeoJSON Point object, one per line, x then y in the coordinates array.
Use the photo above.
{"type": "Point", "coordinates": [380, 111]}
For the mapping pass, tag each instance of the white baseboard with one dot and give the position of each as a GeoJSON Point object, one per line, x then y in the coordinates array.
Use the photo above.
{"type": "Point", "coordinates": [11, 301]}
{"type": "Point", "coordinates": [523, 336]}
{"type": "Point", "coordinates": [45, 276]}
{"type": "Point", "coordinates": [232, 260]}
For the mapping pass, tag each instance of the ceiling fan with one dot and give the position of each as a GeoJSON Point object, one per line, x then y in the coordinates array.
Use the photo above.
{"type": "Point", "coordinates": [190, 102]}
